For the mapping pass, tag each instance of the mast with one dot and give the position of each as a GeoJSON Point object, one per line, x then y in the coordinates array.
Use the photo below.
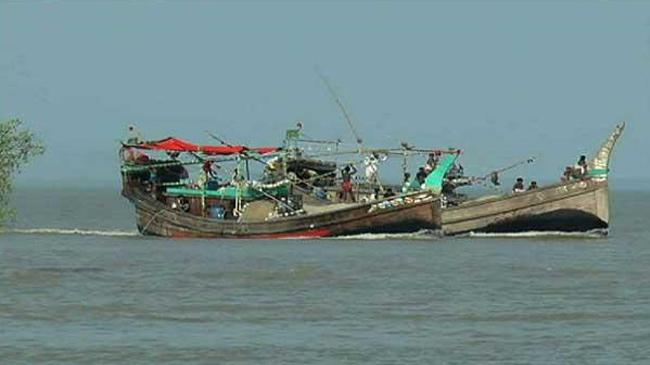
{"type": "Point", "coordinates": [341, 106]}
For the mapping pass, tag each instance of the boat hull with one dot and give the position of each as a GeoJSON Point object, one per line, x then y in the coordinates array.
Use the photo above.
{"type": "Point", "coordinates": [578, 206]}
{"type": "Point", "coordinates": [421, 212]}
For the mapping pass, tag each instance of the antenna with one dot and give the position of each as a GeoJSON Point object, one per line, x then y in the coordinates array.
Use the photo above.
{"type": "Point", "coordinates": [217, 138]}
{"type": "Point", "coordinates": [341, 106]}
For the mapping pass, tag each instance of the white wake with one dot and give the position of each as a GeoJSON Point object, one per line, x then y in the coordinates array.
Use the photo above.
{"type": "Point", "coordinates": [419, 235]}
{"type": "Point", "coordinates": [540, 234]}
{"type": "Point", "coordinates": [70, 231]}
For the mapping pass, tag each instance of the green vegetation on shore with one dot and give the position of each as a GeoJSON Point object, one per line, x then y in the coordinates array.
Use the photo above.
{"type": "Point", "coordinates": [17, 146]}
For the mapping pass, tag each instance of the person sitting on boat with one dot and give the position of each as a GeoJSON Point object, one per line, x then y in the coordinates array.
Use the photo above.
{"type": "Point", "coordinates": [346, 186]}
{"type": "Point", "coordinates": [533, 185]}
{"type": "Point", "coordinates": [519, 187]}
{"type": "Point", "coordinates": [389, 193]}
{"type": "Point", "coordinates": [375, 195]}
{"type": "Point", "coordinates": [455, 171]}
{"type": "Point", "coordinates": [432, 163]}
{"type": "Point", "coordinates": [406, 184]}
{"type": "Point", "coordinates": [581, 167]}
{"type": "Point", "coordinates": [421, 176]}
{"type": "Point", "coordinates": [274, 169]}
{"type": "Point", "coordinates": [567, 174]}
{"type": "Point", "coordinates": [494, 178]}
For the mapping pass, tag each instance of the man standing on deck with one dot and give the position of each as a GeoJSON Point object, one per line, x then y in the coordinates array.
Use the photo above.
{"type": "Point", "coordinates": [207, 169]}
{"type": "Point", "coordinates": [346, 185]}
{"type": "Point", "coordinates": [372, 168]}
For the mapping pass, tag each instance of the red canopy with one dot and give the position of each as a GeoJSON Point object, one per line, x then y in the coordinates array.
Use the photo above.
{"type": "Point", "coordinates": [179, 145]}
{"type": "Point", "coordinates": [170, 144]}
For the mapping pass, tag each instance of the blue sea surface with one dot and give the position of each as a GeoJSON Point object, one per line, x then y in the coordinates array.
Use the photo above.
{"type": "Point", "coordinates": [79, 285]}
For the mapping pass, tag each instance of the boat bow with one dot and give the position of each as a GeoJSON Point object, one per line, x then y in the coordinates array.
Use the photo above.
{"type": "Point", "coordinates": [599, 165]}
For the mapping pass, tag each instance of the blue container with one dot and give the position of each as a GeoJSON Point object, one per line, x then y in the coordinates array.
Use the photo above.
{"type": "Point", "coordinates": [217, 211]}
{"type": "Point", "coordinates": [212, 185]}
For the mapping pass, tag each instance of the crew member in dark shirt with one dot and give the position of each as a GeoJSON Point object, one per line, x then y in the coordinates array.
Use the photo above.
{"type": "Point", "coordinates": [518, 187]}
{"type": "Point", "coordinates": [207, 169]}
{"type": "Point", "coordinates": [421, 176]}
{"type": "Point", "coordinates": [388, 193]}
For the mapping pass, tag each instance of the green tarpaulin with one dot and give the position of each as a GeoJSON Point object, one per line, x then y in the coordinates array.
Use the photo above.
{"type": "Point", "coordinates": [231, 192]}
{"type": "Point", "coordinates": [436, 178]}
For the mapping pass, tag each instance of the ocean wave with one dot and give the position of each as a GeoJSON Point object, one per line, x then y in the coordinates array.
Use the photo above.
{"type": "Point", "coordinates": [70, 231]}
{"type": "Point", "coordinates": [540, 234]}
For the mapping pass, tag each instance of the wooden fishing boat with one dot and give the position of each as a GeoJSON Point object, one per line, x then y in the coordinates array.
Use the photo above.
{"type": "Point", "coordinates": [408, 213]}
{"type": "Point", "coordinates": [243, 208]}
{"type": "Point", "coordinates": [167, 205]}
{"type": "Point", "coordinates": [577, 205]}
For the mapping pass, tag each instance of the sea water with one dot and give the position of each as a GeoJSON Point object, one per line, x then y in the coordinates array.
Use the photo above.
{"type": "Point", "coordinates": [79, 285]}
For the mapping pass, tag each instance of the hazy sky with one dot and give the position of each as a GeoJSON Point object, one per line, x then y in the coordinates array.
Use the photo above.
{"type": "Point", "coordinates": [501, 80]}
